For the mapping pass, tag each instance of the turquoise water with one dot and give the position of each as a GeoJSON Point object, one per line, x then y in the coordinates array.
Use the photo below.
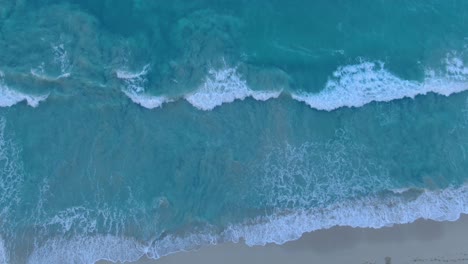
{"type": "Point", "coordinates": [132, 128]}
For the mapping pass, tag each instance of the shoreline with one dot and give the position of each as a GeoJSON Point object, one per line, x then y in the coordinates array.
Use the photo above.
{"type": "Point", "coordinates": [423, 241]}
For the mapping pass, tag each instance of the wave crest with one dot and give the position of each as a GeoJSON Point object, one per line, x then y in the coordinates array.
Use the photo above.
{"type": "Point", "coordinates": [279, 228]}
{"type": "Point", "coordinates": [371, 212]}
{"type": "Point", "coordinates": [10, 97]}
{"type": "Point", "coordinates": [349, 86]}
{"type": "Point", "coordinates": [225, 86]}
{"type": "Point", "coordinates": [147, 101]}
{"type": "Point", "coordinates": [360, 84]}
{"type": "Point", "coordinates": [220, 86]}
{"type": "Point", "coordinates": [135, 88]}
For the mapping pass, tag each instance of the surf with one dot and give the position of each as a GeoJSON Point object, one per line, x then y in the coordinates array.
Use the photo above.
{"type": "Point", "coordinates": [225, 86]}
{"type": "Point", "coordinates": [369, 212]}
{"type": "Point", "coordinates": [366, 82]}
{"type": "Point", "coordinates": [354, 85]}
{"type": "Point", "coordinates": [10, 97]}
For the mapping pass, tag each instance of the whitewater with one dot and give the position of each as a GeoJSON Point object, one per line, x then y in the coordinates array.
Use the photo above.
{"type": "Point", "coordinates": [279, 228]}
{"type": "Point", "coordinates": [133, 129]}
{"type": "Point", "coordinates": [349, 86]}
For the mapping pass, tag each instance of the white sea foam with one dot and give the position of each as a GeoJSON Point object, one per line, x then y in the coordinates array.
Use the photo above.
{"type": "Point", "coordinates": [349, 86]}
{"type": "Point", "coordinates": [370, 212]}
{"type": "Point", "coordinates": [10, 97]}
{"type": "Point", "coordinates": [39, 73]}
{"type": "Point", "coordinates": [133, 76]}
{"type": "Point", "coordinates": [225, 86]}
{"type": "Point", "coordinates": [135, 88]}
{"type": "Point", "coordinates": [147, 101]}
{"type": "Point", "coordinates": [373, 212]}
{"type": "Point", "coordinates": [3, 252]}
{"type": "Point", "coordinates": [11, 173]}
{"type": "Point", "coordinates": [324, 190]}
{"type": "Point", "coordinates": [90, 249]}
{"type": "Point", "coordinates": [11, 178]}
{"type": "Point", "coordinates": [312, 190]}
{"type": "Point", "coordinates": [400, 190]}
{"type": "Point", "coordinates": [80, 218]}
{"type": "Point", "coordinates": [87, 250]}
{"type": "Point", "coordinates": [221, 86]}
{"type": "Point", "coordinates": [60, 60]}
{"type": "Point", "coordinates": [360, 84]}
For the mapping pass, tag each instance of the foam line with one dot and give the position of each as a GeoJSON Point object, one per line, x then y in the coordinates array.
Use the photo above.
{"type": "Point", "coordinates": [279, 228]}
{"type": "Point", "coordinates": [225, 86]}
{"type": "Point", "coordinates": [10, 97]}
{"type": "Point", "coordinates": [349, 86]}
{"type": "Point", "coordinates": [147, 101]}
{"type": "Point", "coordinates": [360, 84]}
{"type": "Point", "coordinates": [372, 212]}
{"type": "Point", "coordinates": [135, 88]}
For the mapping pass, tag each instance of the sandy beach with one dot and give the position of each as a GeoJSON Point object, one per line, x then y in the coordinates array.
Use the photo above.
{"type": "Point", "coordinates": [424, 241]}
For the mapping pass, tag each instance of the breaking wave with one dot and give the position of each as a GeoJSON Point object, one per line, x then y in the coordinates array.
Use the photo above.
{"type": "Point", "coordinates": [370, 212]}
{"type": "Point", "coordinates": [360, 84]}
{"type": "Point", "coordinates": [10, 97]}
{"type": "Point", "coordinates": [349, 86]}
{"type": "Point", "coordinates": [225, 86]}
{"type": "Point", "coordinates": [279, 228]}
{"type": "Point", "coordinates": [221, 86]}
{"type": "Point", "coordinates": [135, 88]}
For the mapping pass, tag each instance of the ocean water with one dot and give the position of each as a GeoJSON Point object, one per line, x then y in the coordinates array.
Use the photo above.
{"type": "Point", "coordinates": [133, 128]}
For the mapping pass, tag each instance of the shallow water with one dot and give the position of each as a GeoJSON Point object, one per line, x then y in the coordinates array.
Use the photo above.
{"type": "Point", "coordinates": [132, 128]}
